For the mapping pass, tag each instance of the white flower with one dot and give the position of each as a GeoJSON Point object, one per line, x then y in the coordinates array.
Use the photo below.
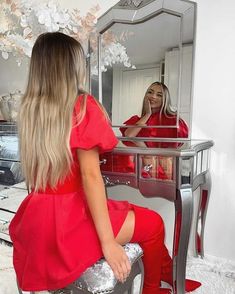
{"type": "Point", "coordinates": [5, 55]}
{"type": "Point", "coordinates": [20, 28]}
{"type": "Point", "coordinates": [23, 21]}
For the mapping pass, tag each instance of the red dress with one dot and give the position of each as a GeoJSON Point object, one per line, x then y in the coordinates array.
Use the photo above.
{"type": "Point", "coordinates": [53, 234]}
{"type": "Point", "coordinates": [180, 132]}
{"type": "Point", "coordinates": [166, 132]}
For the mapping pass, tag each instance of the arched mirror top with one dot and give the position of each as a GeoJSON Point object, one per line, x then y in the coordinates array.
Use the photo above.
{"type": "Point", "coordinates": [158, 40]}
{"type": "Point", "coordinates": [129, 12]}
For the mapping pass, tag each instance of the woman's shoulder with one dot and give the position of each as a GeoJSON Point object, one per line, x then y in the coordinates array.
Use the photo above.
{"type": "Point", "coordinates": [132, 120]}
{"type": "Point", "coordinates": [87, 96]}
{"type": "Point", "coordinates": [89, 100]}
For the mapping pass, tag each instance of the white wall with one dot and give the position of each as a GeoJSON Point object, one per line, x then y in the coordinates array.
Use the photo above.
{"type": "Point", "coordinates": [213, 116]}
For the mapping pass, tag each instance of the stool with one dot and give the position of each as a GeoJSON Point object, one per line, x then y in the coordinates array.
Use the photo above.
{"type": "Point", "coordinates": [99, 278]}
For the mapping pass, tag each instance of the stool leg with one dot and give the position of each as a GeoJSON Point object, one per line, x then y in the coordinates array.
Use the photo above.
{"type": "Point", "coordinates": [141, 273]}
{"type": "Point", "coordinates": [141, 265]}
{"type": "Point", "coordinates": [131, 290]}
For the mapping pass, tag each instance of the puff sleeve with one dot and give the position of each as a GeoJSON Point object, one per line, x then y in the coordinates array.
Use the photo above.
{"type": "Point", "coordinates": [182, 131]}
{"type": "Point", "coordinates": [131, 121]}
{"type": "Point", "coordinates": [94, 130]}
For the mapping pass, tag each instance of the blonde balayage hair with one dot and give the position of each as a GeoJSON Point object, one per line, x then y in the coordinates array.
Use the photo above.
{"type": "Point", "coordinates": [166, 107]}
{"type": "Point", "coordinates": [56, 78]}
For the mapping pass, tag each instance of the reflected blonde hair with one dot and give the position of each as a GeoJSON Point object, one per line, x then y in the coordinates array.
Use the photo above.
{"type": "Point", "coordinates": [166, 108]}
{"type": "Point", "coordinates": [56, 78]}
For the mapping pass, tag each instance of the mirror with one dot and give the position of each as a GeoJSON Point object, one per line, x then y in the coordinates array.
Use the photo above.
{"type": "Point", "coordinates": [152, 41]}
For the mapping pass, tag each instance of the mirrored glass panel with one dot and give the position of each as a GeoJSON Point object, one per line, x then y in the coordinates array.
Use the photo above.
{"type": "Point", "coordinates": [140, 45]}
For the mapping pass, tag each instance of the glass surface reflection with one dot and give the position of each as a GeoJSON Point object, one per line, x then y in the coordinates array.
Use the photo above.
{"type": "Point", "coordinates": [118, 163]}
{"type": "Point", "coordinates": [157, 167]}
{"type": "Point", "coordinates": [156, 111]}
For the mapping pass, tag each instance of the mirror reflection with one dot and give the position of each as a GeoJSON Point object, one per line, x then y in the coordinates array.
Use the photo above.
{"type": "Point", "coordinates": [158, 39]}
{"type": "Point", "coordinates": [157, 110]}
{"type": "Point", "coordinates": [151, 166]}
{"type": "Point", "coordinates": [157, 167]}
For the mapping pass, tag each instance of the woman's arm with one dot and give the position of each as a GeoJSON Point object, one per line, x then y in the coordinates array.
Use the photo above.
{"type": "Point", "coordinates": [182, 131]}
{"type": "Point", "coordinates": [95, 194]}
{"type": "Point", "coordinates": [133, 132]}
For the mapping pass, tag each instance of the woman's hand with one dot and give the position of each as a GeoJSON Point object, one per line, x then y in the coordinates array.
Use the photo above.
{"type": "Point", "coordinates": [147, 107]}
{"type": "Point", "coordinates": [147, 111]}
{"type": "Point", "coordinates": [116, 257]}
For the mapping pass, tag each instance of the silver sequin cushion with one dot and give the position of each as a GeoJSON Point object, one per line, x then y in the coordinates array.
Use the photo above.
{"type": "Point", "coordinates": [100, 278]}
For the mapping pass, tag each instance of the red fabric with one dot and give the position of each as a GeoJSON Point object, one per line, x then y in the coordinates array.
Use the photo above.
{"type": "Point", "coordinates": [94, 130]}
{"type": "Point", "coordinates": [155, 119]}
{"type": "Point", "coordinates": [53, 234]}
{"type": "Point", "coordinates": [152, 243]}
{"type": "Point", "coordinates": [117, 163]}
{"type": "Point", "coordinates": [180, 132]}
{"type": "Point", "coordinates": [158, 265]}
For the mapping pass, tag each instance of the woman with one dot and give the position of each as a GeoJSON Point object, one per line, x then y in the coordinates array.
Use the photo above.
{"type": "Point", "coordinates": [156, 111]}
{"type": "Point", "coordinates": [66, 224]}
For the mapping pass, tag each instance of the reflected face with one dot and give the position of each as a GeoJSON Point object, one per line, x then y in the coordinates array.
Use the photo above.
{"type": "Point", "coordinates": [155, 96]}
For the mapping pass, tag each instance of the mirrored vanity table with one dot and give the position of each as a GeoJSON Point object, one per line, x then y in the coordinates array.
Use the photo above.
{"type": "Point", "coordinates": [156, 40]}
{"type": "Point", "coordinates": [186, 168]}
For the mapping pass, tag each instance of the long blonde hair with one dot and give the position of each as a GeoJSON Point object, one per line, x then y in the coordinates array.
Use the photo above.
{"type": "Point", "coordinates": [166, 108]}
{"type": "Point", "coordinates": [56, 78]}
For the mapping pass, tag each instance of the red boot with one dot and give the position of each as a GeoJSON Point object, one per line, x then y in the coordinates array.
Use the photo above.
{"type": "Point", "coordinates": [166, 273]}
{"type": "Point", "coordinates": [149, 233]}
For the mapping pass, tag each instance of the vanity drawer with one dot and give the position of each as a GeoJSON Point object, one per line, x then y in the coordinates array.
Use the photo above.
{"type": "Point", "coordinates": [119, 169]}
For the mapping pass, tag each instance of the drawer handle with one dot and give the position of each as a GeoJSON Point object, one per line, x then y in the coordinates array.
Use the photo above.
{"type": "Point", "coordinates": [148, 167]}
{"type": "Point", "coordinates": [103, 161]}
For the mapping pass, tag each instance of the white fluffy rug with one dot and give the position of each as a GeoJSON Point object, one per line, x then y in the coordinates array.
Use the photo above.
{"type": "Point", "coordinates": [216, 275]}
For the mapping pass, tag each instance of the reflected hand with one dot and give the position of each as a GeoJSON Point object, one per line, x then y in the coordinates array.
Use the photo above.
{"type": "Point", "coordinates": [117, 259]}
{"type": "Point", "coordinates": [149, 164]}
{"type": "Point", "coordinates": [147, 107]}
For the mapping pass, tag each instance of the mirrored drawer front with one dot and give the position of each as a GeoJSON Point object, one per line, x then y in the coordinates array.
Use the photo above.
{"type": "Point", "coordinates": [157, 167]}
{"type": "Point", "coordinates": [119, 169]}
{"type": "Point", "coordinates": [155, 188]}
{"type": "Point", "coordinates": [118, 163]}
{"type": "Point", "coordinates": [157, 176]}
{"type": "Point", "coordinates": [153, 175]}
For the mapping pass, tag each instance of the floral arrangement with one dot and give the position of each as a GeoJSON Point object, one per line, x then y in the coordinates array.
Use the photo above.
{"type": "Point", "coordinates": [22, 22]}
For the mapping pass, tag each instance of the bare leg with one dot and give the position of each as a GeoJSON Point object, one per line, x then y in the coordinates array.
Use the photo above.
{"type": "Point", "coordinates": [127, 230]}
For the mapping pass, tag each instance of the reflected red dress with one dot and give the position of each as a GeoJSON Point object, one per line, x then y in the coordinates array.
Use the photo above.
{"type": "Point", "coordinates": [166, 132]}
{"type": "Point", "coordinates": [53, 234]}
{"type": "Point", "coordinates": [154, 120]}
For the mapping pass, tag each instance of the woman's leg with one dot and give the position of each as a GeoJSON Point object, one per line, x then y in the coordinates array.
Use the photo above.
{"type": "Point", "coordinates": [146, 227]}
{"type": "Point", "coordinates": [127, 230]}
{"type": "Point", "coordinates": [149, 233]}
{"type": "Point", "coordinates": [167, 273]}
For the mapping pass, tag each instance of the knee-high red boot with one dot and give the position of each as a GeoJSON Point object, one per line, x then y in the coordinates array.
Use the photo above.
{"type": "Point", "coordinates": [167, 272]}
{"type": "Point", "coordinates": [149, 233]}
